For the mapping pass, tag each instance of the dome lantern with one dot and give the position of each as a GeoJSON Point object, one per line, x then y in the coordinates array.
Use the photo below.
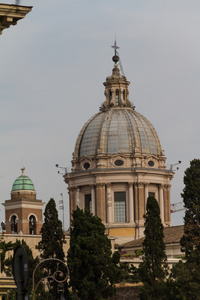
{"type": "Point", "coordinates": [116, 87]}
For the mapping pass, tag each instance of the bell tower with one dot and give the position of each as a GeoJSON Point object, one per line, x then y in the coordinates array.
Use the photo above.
{"type": "Point", "coordinates": [23, 212]}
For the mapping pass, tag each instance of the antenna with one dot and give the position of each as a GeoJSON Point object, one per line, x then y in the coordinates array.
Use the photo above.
{"type": "Point", "coordinates": [61, 206]}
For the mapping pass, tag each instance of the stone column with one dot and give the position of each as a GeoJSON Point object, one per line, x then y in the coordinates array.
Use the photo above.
{"type": "Point", "coordinates": [161, 200]}
{"type": "Point", "coordinates": [78, 197]}
{"type": "Point", "coordinates": [93, 199]}
{"type": "Point", "coordinates": [146, 194]}
{"type": "Point", "coordinates": [141, 200]}
{"type": "Point", "coordinates": [130, 201]}
{"type": "Point", "coordinates": [101, 201]}
{"type": "Point", "coordinates": [167, 213]}
{"type": "Point", "coordinates": [113, 100]}
{"type": "Point", "coordinates": [72, 200]}
{"type": "Point", "coordinates": [109, 204]}
{"type": "Point", "coordinates": [136, 210]}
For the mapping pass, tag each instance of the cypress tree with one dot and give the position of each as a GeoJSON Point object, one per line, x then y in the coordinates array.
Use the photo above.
{"type": "Point", "coordinates": [51, 246]}
{"type": "Point", "coordinates": [153, 269]}
{"type": "Point", "coordinates": [93, 269]}
{"type": "Point", "coordinates": [191, 199]}
{"type": "Point", "coordinates": [187, 272]}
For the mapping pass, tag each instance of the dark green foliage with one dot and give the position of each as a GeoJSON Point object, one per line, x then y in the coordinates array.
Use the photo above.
{"type": "Point", "coordinates": [53, 237]}
{"type": "Point", "coordinates": [187, 273]}
{"type": "Point", "coordinates": [93, 269]}
{"type": "Point", "coordinates": [51, 246]}
{"type": "Point", "coordinates": [187, 276]}
{"type": "Point", "coordinates": [5, 247]}
{"type": "Point", "coordinates": [185, 280]}
{"type": "Point", "coordinates": [191, 198]}
{"type": "Point", "coordinates": [128, 274]}
{"type": "Point", "coordinates": [32, 264]}
{"type": "Point", "coordinates": [153, 269]}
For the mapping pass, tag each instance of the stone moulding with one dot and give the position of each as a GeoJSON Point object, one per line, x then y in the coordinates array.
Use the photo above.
{"type": "Point", "coordinates": [10, 14]}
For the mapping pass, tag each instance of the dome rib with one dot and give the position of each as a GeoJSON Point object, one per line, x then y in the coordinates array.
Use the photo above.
{"type": "Point", "coordinates": [89, 137]}
{"type": "Point", "coordinates": [133, 133]}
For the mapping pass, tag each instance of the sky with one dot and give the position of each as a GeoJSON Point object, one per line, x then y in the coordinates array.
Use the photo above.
{"type": "Point", "coordinates": [53, 64]}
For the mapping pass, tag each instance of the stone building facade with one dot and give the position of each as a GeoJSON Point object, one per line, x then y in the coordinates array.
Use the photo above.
{"type": "Point", "coordinates": [117, 163]}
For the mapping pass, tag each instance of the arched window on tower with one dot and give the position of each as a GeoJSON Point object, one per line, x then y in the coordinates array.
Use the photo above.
{"type": "Point", "coordinates": [110, 95]}
{"type": "Point", "coordinates": [123, 94]}
{"type": "Point", "coordinates": [117, 97]}
{"type": "Point", "coordinates": [32, 225]}
{"type": "Point", "coordinates": [14, 224]}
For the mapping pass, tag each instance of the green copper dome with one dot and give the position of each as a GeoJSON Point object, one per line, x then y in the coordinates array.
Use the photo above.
{"type": "Point", "coordinates": [23, 182]}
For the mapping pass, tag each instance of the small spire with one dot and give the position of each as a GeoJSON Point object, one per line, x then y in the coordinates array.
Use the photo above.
{"type": "Point", "coordinates": [22, 169]}
{"type": "Point", "coordinates": [115, 57]}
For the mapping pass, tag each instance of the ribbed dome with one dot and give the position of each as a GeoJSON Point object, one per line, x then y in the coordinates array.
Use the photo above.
{"type": "Point", "coordinates": [117, 130]}
{"type": "Point", "coordinates": [23, 182]}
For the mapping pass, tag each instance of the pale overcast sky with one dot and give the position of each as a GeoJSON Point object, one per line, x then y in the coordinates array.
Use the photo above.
{"type": "Point", "coordinates": [53, 64]}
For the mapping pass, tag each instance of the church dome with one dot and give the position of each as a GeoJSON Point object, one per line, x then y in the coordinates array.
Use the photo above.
{"type": "Point", "coordinates": [117, 128]}
{"type": "Point", "coordinates": [23, 183]}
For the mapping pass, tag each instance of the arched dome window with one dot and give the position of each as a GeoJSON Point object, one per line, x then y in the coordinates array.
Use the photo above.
{"type": "Point", "coordinates": [32, 225]}
{"type": "Point", "coordinates": [117, 97]}
{"type": "Point", "coordinates": [14, 224]}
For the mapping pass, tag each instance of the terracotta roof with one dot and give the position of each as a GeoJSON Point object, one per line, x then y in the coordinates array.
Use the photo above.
{"type": "Point", "coordinates": [171, 235]}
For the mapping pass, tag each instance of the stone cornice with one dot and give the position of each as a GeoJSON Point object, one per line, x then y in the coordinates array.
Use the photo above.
{"type": "Point", "coordinates": [10, 14]}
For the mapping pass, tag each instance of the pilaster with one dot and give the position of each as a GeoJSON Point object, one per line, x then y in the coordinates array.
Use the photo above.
{"type": "Point", "coordinates": [101, 201]}
{"type": "Point", "coordinates": [109, 204]}
{"type": "Point", "coordinates": [167, 213]}
{"type": "Point", "coordinates": [130, 201]}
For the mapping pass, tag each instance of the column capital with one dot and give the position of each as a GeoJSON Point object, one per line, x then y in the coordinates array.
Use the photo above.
{"type": "Point", "coordinates": [130, 184]}
{"type": "Point", "coordinates": [167, 186]}
{"type": "Point", "coordinates": [109, 184]}
{"type": "Point", "coordinates": [72, 189]}
{"type": "Point", "coordinates": [100, 185]}
{"type": "Point", "coordinates": [161, 186]}
{"type": "Point", "coordinates": [146, 184]}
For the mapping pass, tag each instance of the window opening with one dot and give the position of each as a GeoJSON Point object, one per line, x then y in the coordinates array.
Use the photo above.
{"type": "Point", "coordinates": [110, 95]}
{"type": "Point", "coordinates": [120, 207]}
{"type": "Point", "coordinates": [119, 163]}
{"type": "Point", "coordinates": [151, 163]}
{"type": "Point", "coordinates": [117, 97]}
{"type": "Point", "coordinates": [86, 165]}
{"type": "Point", "coordinates": [123, 94]}
{"type": "Point", "coordinates": [151, 194]}
{"type": "Point", "coordinates": [14, 224]}
{"type": "Point", "coordinates": [32, 225]}
{"type": "Point", "coordinates": [88, 202]}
